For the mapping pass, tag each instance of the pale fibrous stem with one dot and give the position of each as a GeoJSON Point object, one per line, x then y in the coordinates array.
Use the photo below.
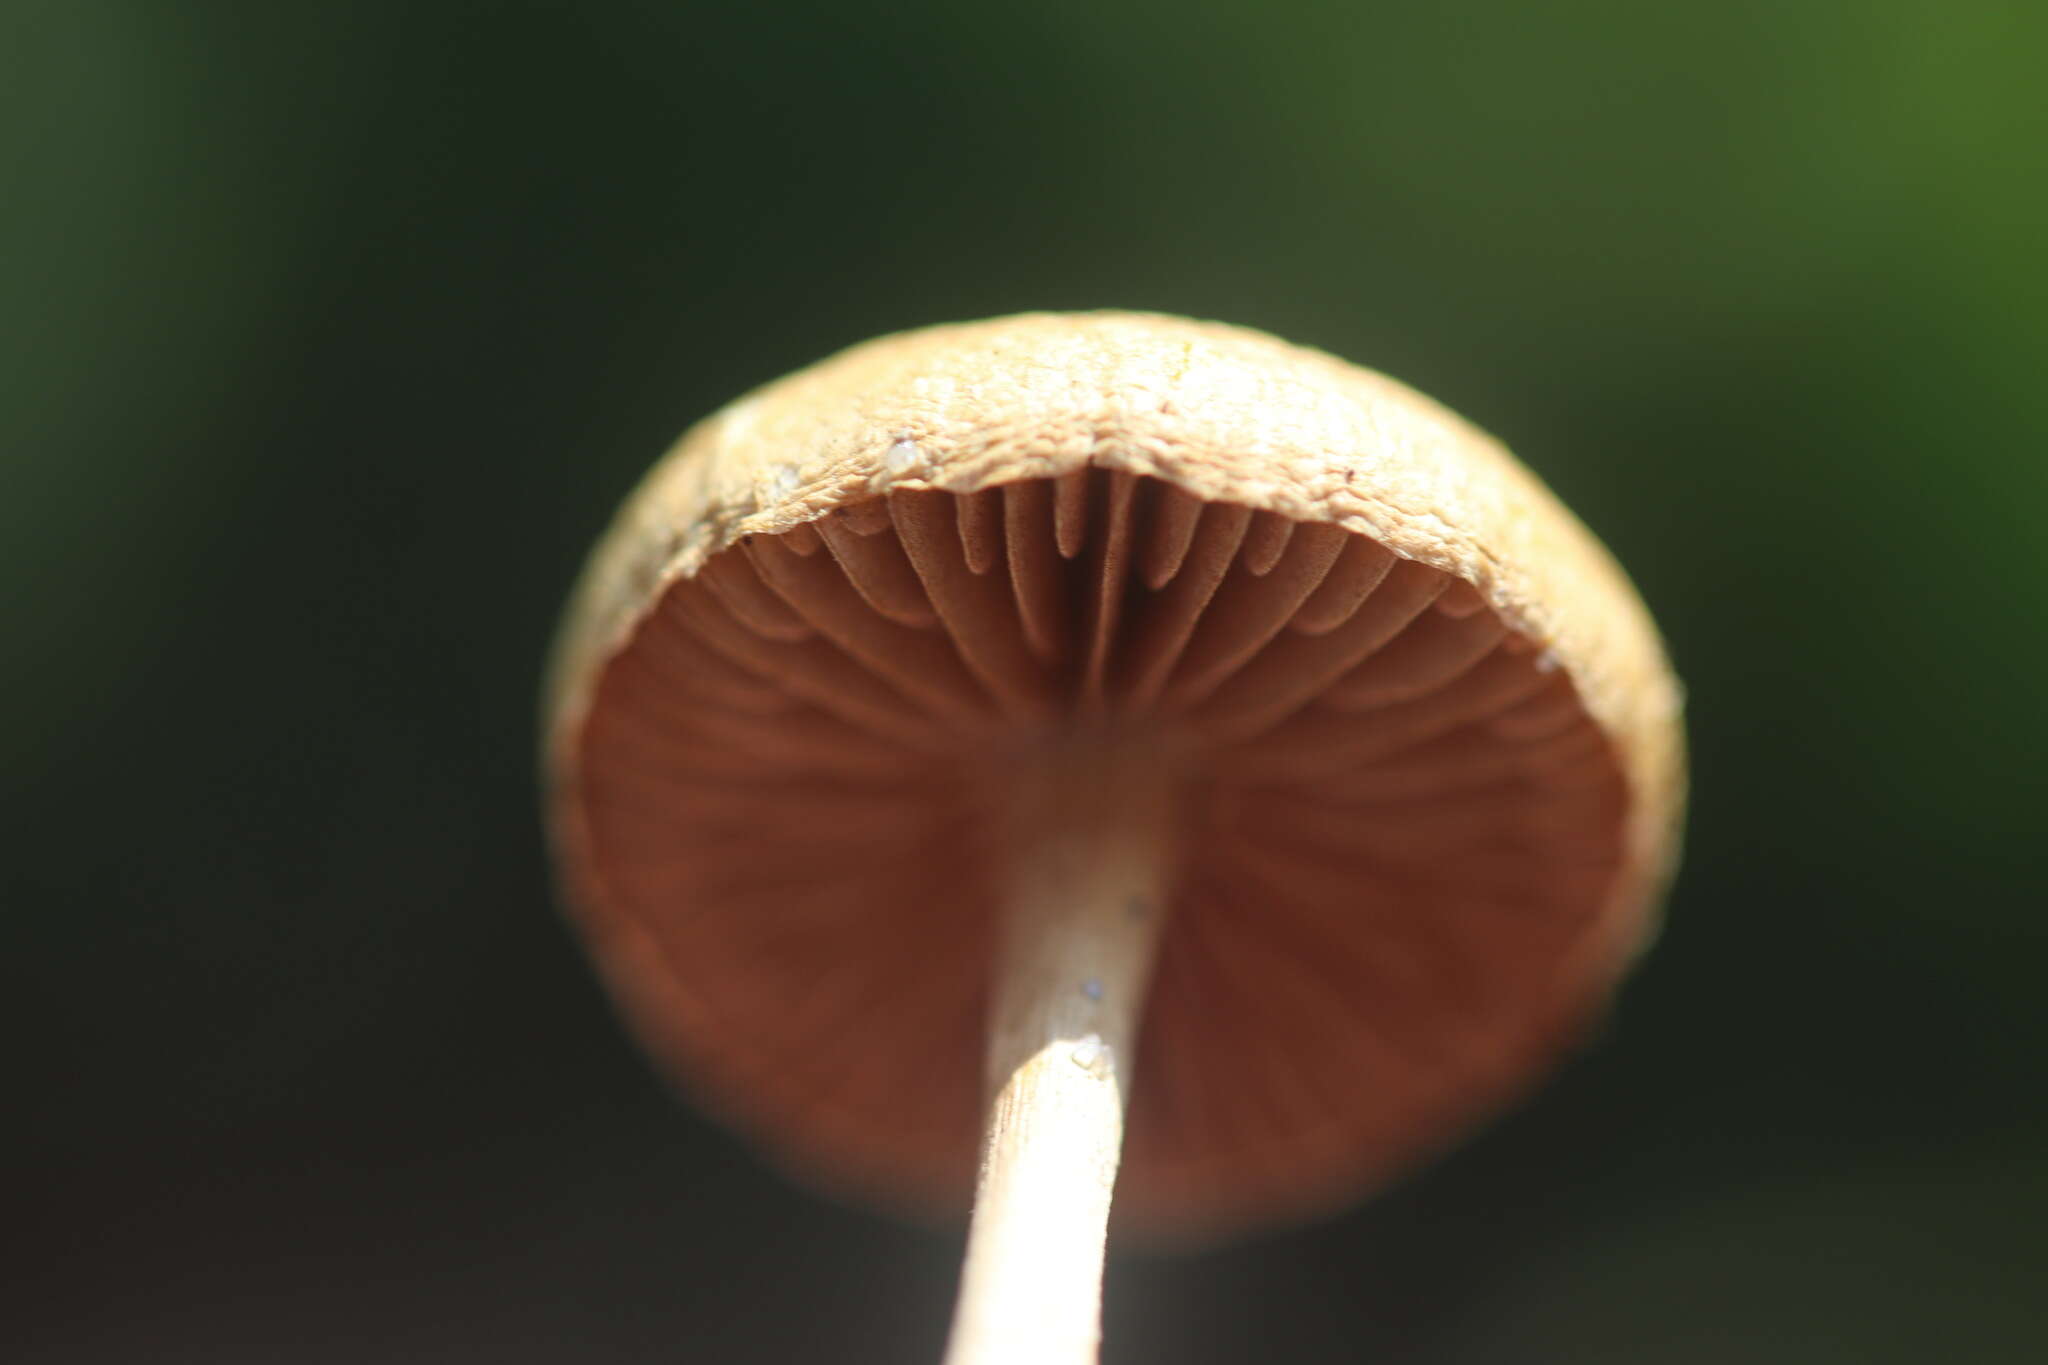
{"type": "Point", "coordinates": [1085, 895]}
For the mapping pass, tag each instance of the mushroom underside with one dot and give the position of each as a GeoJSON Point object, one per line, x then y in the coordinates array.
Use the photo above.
{"type": "Point", "coordinates": [1398, 834]}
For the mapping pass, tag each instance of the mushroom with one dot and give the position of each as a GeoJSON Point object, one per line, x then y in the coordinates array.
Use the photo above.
{"type": "Point", "coordinates": [942, 727]}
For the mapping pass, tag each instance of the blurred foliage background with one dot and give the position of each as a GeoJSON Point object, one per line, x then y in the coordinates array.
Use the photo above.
{"type": "Point", "coordinates": [330, 334]}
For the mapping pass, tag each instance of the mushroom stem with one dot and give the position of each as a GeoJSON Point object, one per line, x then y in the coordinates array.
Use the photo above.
{"type": "Point", "coordinates": [1084, 903]}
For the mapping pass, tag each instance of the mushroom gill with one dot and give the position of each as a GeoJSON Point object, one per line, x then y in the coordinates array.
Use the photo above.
{"type": "Point", "coordinates": [1397, 832]}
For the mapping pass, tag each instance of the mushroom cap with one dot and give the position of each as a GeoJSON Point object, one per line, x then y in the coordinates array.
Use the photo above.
{"type": "Point", "coordinates": [1432, 744]}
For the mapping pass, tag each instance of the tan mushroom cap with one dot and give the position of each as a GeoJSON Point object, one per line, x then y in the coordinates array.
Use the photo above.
{"type": "Point", "coordinates": [1430, 745]}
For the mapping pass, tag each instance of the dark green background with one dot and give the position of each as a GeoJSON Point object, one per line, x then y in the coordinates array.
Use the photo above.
{"type": "Point", "coordinates": [329, 334]}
